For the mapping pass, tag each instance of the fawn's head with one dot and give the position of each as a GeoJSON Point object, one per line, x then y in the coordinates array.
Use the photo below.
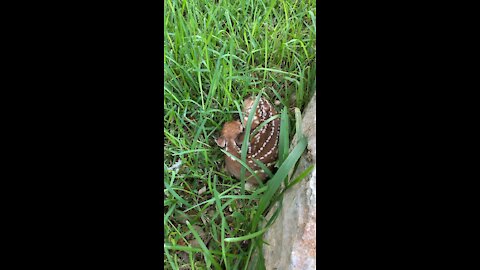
{"type": "Point", "coordinates": [230, 131]}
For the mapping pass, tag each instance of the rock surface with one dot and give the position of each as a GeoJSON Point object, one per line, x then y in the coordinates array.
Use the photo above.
{"type": "Point", "coordinates": [292, 238]}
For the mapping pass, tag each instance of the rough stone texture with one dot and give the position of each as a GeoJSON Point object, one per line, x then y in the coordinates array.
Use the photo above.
{"type": "Point", "coordinates": [292, 238]}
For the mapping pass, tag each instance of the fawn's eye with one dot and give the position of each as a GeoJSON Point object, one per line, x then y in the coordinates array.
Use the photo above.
{"type": "Point", "coordinates": [239, 140]}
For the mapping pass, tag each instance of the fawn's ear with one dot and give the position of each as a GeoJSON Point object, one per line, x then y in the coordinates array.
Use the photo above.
{"type": "Point", "coordinates": [220, 141]}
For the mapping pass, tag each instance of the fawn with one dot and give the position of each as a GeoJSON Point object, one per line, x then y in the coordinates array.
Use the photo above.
{"type": "Point", "coordinates": [263, 146]}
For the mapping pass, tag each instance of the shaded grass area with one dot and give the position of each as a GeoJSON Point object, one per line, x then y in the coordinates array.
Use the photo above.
{"type": "Point", "coordinates": [216, 53]}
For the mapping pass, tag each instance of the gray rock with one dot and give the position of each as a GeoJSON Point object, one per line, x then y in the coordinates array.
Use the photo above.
{"type": "Point", "coordinates": [292, 238]}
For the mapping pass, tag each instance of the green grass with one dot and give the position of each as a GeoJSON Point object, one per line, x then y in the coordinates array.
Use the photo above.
{"type": "Point", "coordinates": [216, 53]}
